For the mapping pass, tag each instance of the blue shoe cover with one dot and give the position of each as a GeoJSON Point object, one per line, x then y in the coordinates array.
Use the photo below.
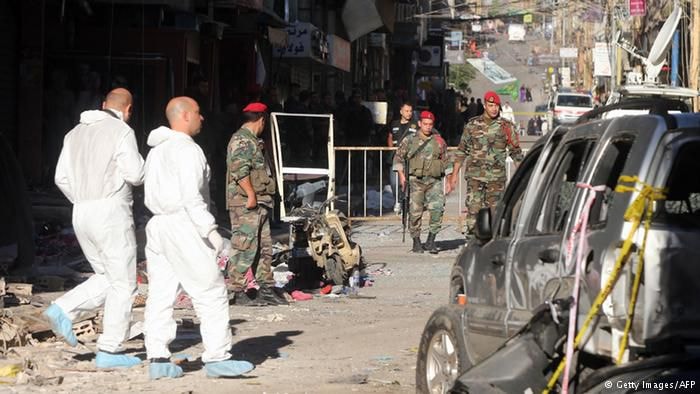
{"type": "Point", "coordinates": [61, 324]}
{"type": "Point", "coordinates": [227, 368]}
{"type": "Point", "coordinates": [108, 360]}
{"type": "Point", "coordinates": [164, 370]}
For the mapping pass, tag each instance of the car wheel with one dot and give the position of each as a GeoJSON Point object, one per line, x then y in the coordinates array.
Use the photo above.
{"type": "Point", "coordinates": [442, 353]}
{"type": "Point", "coordinates": [335, 270]}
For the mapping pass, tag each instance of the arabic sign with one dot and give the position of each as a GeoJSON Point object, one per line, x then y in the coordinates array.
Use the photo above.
{"type": "Point", "coordinates": [601, 60]}
{"type": "Point", "coordinates": [637, 7]}
{"type": "Point", "coordinates": [339, 56]}
{"type": "Point", "coordinates": [298, 41]}
{"type": "Point", "coordinates": [491, 70]}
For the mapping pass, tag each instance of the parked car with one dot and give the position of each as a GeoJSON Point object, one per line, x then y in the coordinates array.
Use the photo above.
{"type": "Point", "coordinates": [518, 262]}
{"type": "Point", "coordinates": [679, 99]}
{"type": "Point", "coordinates": [566, 107]}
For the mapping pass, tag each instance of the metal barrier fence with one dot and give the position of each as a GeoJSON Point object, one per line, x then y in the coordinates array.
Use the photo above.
{"type": "Point", "coordinates": [346, 177]}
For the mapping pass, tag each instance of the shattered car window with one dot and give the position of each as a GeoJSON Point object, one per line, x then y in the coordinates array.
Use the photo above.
{"type": "Point", "coordinates": [607, 173]}
{"type": "Point", "coordinates": [560, 194]}
{"type": "Point", "coordinates": [682, 204]}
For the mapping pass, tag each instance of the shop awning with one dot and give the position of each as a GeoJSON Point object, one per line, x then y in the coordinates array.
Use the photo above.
{"type": "Point", "coordinates": [361, 17]}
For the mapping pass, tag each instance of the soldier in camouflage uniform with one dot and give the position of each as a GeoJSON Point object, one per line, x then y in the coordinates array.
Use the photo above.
{"type": "Point", "coordinates": [426, 153]}
{"type": "Point", "coordinates": [486, 142]}
{"type": "Point", "coordinates": [250, 189]}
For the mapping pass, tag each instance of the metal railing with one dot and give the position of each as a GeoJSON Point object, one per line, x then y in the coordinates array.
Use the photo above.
{"type": "Point", "coordinates": [345, 178]}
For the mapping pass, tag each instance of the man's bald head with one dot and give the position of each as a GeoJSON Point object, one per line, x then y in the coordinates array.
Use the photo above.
{"type": "Point", "coordinates": [183, 115]}
{"type": "Point", "coordinates": [119, 99]}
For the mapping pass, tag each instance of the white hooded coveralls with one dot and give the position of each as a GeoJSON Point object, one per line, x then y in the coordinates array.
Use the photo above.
{"type": "Point", "coordinates": [177, 192]}
{"type": "Point", "coordinates": [97, 166]}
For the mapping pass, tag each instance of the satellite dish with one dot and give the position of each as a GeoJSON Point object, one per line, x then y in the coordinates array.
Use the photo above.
{"type": "Point", "coordinates": [657, 54]}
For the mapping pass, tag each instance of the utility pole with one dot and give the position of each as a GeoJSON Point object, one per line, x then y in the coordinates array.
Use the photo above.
{"type": "Point", "coordinates": [695, 51]}
{"type": "Point", "coordinates": [613, 48]}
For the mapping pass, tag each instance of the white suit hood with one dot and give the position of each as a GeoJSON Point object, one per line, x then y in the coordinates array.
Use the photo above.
{"type": "Point", "coordinates": [93, 116]}
{"type": "Point", "coordinates": [177, 178]}
{"type": "Point", "coordinates": [99, 159]}
{"type": "Point", "coordinates": [160, 135]}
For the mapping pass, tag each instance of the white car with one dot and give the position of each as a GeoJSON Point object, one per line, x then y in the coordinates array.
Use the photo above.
{"type": "Point", "coordinates": [567, 107]}
{"type": "Point", "coordinates": [680, 97]}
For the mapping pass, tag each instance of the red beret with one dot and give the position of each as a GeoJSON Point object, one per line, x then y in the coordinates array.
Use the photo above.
{"type": "Point", "coordinates": [427, 115]}
{"type": "Point", "coordinates": [492, 97]}
{"type": "Point", "coordinates": [255, 107]}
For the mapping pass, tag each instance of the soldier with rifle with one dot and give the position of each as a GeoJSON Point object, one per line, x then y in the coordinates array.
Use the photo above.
{"type": "Point", "coordinates": [424, 157]}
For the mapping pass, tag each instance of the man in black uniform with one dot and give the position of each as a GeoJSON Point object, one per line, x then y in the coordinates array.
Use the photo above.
{"type": "Point", "coordinates": [398, 130]}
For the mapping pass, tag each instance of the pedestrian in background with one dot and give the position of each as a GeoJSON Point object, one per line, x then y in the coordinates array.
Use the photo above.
{"type": "Point", "coordinates": [182, 246]}
{"type": "Point", "coordinates": [250, 188]}
{"type": "Point", "coordinates": [486, 143]}
{"type": "Point", "coordinates": [426, 154]}
{"type": "Point", "coordinates": [507, 112]}
{"type": "Point", "coordinates": [97, 167]}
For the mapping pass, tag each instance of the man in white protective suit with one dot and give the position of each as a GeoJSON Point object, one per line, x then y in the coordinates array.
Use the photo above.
{"type": "Point", "coordinates": [183, 242]}
{"type": "Point", "coordinates": [97, 167]}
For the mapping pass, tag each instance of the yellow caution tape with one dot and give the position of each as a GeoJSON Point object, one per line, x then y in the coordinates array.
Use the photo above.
{"type": "Point", "coordinates": [641, 207]}
{"type": "Point", "coordinates": [9, 371]}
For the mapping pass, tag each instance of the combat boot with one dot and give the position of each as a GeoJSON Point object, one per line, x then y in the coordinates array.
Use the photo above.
{"type": "Point", "coordinates": [270, 296]}
{"type": "Point", "coordinates": [417, 246]}
{"type": "Point", "coordinates": [430, 244]}
{"type": "Point", "coordinates": [243, 298]}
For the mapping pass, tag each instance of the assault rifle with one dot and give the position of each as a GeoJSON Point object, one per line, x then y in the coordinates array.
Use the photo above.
{"type": "Point", "coordinates": [406, 200]}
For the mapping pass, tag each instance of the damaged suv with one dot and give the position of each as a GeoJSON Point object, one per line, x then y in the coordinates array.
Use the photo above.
{"type": "Point", "coordinates": [519, 261]}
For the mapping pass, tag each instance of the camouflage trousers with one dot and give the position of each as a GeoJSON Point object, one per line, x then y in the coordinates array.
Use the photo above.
{"type": "Point", "coordinates": [481, 194]}
{"type": "Point", "coordinates": [251, 246]}
{"type": "Point", "coordinates": [426, 194]}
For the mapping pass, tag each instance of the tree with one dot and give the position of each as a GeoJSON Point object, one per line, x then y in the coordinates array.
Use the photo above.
{"type": "Point", "coordinates": [461, 75]}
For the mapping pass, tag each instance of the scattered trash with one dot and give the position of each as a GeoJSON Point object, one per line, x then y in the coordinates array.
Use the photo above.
{"type": "Point", "coordinates": [183, 301]}
{"type": "Point", "coordinates": [84, 330]}
{"type": "Point", "coordinates": [272, 317]}
{"type": "Point", "coordinates": [383, 358]}
{"type": "Point", "coordinates": [299, 295]}
{"type": "Point", "coordinates": [18, 294]}
{"type": "Point", "coordinates": [139, 301]}
{"type": "Point", "coordinates": [326, 289]}
{"type": "Point", "coordinates": [381, 271]}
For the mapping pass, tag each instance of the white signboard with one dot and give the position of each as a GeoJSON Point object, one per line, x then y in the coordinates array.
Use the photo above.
{"type": "Point", "coordinates": [491, 70]}
{"type": "Point", "coordinates": [565, 77]}
{"type": "Point", "coordinates": [568, 53]}
{"type": "Point", "coordinates": [516, 32]}
{"type": "Point", "coordinates": [601, 60]}
{"type": "Point", "coordinates": [455, 41]}
{"type": "Point", "coordinates": [476, 27]}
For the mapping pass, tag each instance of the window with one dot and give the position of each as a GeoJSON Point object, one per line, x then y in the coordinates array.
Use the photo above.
{"type": "Point", "coordinates": [574, 101]}
{"type": "Point", "coordinates": [682, 204]}
{"type": "Point", "coordinates": [561, 188]}
{"type": "Point", "coordinates": [515, 192]}
{"type": "Point", "coordinates": [607, 173]}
